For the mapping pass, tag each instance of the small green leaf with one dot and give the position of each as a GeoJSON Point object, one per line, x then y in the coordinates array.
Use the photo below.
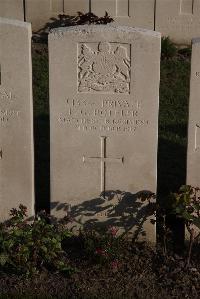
{"type": "Point", "coordinates": [3, 259]}
{"type": "Point", "coordinates": [44, 248]}
{"type": "Point", "coordinates": [185, 188]}
{"type": "Point", "coordinates": [187, 216]}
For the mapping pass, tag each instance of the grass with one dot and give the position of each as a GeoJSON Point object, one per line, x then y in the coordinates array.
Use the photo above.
{"type": "Point", "coordinates": [173, 118]}
{"type": "Point", "coordinates": [40, 81]}
{"type": "Point", "coordinates": [173, 115]}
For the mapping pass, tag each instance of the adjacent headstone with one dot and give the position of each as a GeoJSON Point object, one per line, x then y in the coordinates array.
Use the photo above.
{"type": "Point", "coordinates": [193, 154]}
{"type": "Point", "coordinates": [71, 7]}
{"type": "Point", "coordinates": [104, 89]}
{"type": "Point", "coordinates": [16, 117]}
{"type": "Point", "coordinates": [193, 148]}
{"type": "Point", "coordinates": [178, 19]}
{"type": "Point", "coordinates": [138, 13]}
{"type": "Point", "coordinates": [12, 9]}
{"type": "Point", "coordinates": [39, 13]}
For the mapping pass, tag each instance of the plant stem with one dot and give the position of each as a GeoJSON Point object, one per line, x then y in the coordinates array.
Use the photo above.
{"type": "Point", "coordinates": [164, 236]}
{"type": "Point", "coordinates": [191, 231]}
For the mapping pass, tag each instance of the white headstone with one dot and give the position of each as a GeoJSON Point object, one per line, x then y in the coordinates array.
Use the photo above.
{"type": "Point", "coordinates": [16, 117]}
{"type": "Point", "coordinates": [12, 9]}
{"type": "Point", "coordinates": [71, 7]}
{"type": "Point", "coordinates": [40, 12]}
{"type": "Point", "coordinates": [193, 154]}
{"type": "Point", "coordinates": [104, 90]}
{"type": "Point", "coordinates": [178, 19]}
{"type": "Point", "coordinates": [138, 13]}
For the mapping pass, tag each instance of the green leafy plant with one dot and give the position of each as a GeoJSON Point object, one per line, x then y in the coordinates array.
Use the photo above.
{"type": "Point", "coordinates": [168, 49]}
{"type": "Point", "coordinates": [163, 230]}
{"type": "Point", "coordinates": [27, 247]}
{"type": "Point", "coordinates": [186, 204]}
{"type": "Point", "coordinates": [103, 247]}
{"type": "Point", "coordinates": [185, 52]}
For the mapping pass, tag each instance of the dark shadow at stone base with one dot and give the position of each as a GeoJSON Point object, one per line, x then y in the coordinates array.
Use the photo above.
{"type": "Point", "coordinates": [124, 210]}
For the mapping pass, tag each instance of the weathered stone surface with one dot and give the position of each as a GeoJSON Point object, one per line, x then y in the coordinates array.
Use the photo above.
{"type": "Point", "coordinates": [138, 13]}
{"type": "Point", "coordinates": [104, 89]}
{"type": "Point", "coordinates": [16, 117]}
{"type": "Point", "coordinates": [193, 149]}
{"type": "Point", "coordinates": [39, 13]}
{"type": "Point", "coordinates": [178, 19]}
{"type": "Point", "coordinates": [12, 9]}
{"type": "Point", "coordinates": [193, 154]}
{"type": "Point", "coordinates": [71, 7]}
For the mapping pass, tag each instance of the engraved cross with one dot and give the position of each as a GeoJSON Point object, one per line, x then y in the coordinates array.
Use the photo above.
{"type": "Point", "coordinates": [186, 6]}
{"type": "Point", "coordinates": [120, 8]}
{"type": "Point", "coordinates": [103, 160]}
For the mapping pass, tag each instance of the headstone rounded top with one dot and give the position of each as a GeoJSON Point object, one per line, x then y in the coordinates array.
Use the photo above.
{"type": "Point", "coordinates": [90, 29]}
{"type": "Point", "coordinates": [14, 22]}
{"type": "Point", "coordinates": [196, 40]}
